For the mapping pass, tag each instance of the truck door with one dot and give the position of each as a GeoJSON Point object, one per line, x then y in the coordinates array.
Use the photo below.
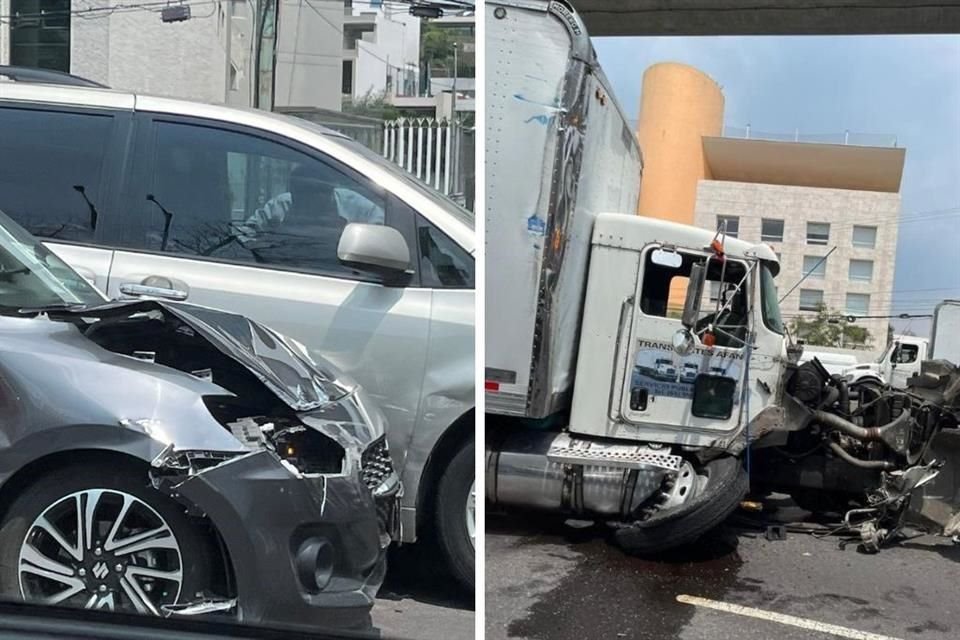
{"type": "Point", "coordinates": [904, 362]}
{"type": "Point", "coordinates": [699, 391]}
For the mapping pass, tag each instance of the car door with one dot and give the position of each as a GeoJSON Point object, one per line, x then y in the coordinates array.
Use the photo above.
{"type": "Point", "coordinates": [245, 221]}
{"type": "Point", "coordinates": [58, 168]}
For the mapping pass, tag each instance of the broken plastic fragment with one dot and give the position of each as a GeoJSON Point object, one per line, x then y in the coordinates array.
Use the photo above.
{"type": "Point", "coordinates": [200, 607]}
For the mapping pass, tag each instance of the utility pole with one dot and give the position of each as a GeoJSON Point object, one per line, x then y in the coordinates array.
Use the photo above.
{"type": "Point", "coordinates": [262, 17]}
{"type": "Point", "coordinates": [453, 93]}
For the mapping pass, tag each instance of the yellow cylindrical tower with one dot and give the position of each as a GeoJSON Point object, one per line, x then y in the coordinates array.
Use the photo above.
{"type": "Point", "coordinates": [678, 106]}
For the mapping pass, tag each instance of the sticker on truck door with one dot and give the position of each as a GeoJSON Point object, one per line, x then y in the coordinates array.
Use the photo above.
{"type": "Point", "coordinates": [659, 371]}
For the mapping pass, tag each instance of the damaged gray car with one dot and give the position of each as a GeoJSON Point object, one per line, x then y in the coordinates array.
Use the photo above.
{"type": "Point", "coordinates": [169, 459]}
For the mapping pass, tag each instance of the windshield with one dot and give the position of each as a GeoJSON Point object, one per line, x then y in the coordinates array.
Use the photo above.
{"type": "Point", "coordinates": [32, 276]}
{"type": "Point", "coordinates": [886, 352]}
{"type": "Point", "coordinates": [461, 214]}
{"type": "Point", "coordinates": [771, 305]}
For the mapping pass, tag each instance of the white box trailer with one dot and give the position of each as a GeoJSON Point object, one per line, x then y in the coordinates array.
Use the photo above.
{"type": "Point", "coordinates": [559, 151]}
{"type": "Point", "coordinates": [945, 336]}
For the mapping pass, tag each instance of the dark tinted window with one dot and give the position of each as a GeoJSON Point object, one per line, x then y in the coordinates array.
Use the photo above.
{"type": "Point", "coordinates": [51, 164]}
{"type": "Point", "coordinates": [442, 262]}
{"type": "Point", "coordinates": [229, 195]}
{"type": "Point", "coordinates": [40, 34]}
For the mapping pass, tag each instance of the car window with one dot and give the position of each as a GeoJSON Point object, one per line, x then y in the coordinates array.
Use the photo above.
{"type": "Point", "coordinates": [229, 195]}
{"type": "Point", "coordinates": [443, 263]}
{"type": "Point", "coordinates": [51, 164]}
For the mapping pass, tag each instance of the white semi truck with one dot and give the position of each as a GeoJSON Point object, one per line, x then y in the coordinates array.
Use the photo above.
{"type": "Point", "coordinates": [902, 358]}
{"type": "Point", "coordinates": [579, 315]}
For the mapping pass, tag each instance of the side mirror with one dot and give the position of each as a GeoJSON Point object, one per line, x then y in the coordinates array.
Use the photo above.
{"type": "Point", "coordinates": [691, 305]}
{"type": "Point", "coordinates": [683, 342]}
{"type": "Point", "coordinates": [374, 246]}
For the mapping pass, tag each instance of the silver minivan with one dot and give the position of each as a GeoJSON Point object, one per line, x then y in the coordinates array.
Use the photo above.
{"type": "Point", "coordinates": [288, 223]}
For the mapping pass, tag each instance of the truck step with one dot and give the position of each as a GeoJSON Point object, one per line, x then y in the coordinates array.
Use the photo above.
{"type": "Point", "coordinates": [567, 450]}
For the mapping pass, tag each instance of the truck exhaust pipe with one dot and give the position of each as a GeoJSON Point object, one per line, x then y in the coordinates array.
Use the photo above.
{"type": "Point", "coordinates": [895, 434]}
{"type": "Point", "coordinates": [555, 472]}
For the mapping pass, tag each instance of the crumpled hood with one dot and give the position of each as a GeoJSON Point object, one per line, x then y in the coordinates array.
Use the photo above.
{"type": "Point", "coordinates": [282, 364]}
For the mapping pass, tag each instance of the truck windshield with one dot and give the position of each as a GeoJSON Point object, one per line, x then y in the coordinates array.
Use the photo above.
{"type": "Point", "coordinates": [32, 276]}
{"type": "Point", "coordinates": [770, 304]}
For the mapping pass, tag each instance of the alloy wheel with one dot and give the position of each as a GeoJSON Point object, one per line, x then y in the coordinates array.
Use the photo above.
{"type": "Point", "coordinates": [101, 549]}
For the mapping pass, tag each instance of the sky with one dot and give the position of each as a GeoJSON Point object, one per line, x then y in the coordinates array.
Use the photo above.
{"type": "Point", "coordinates": [906, 87]}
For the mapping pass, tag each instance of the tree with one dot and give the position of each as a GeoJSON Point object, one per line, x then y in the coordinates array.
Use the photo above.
{"type": "Point", "coordinates": [436, 44]}
{"type": "Point", "coordinates": [830, 329]}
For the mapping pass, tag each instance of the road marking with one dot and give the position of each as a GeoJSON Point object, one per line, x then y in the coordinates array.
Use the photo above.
{"type": "Point", "coordinates": [793, 621]}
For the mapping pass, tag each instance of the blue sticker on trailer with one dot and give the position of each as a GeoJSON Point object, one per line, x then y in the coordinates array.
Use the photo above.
{"type": "Point", "coordinates": [536, 225]}
{"type": "Point", "coordinates": [541, 119]}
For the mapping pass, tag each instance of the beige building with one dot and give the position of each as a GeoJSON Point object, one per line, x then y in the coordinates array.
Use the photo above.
{"type": "Point", "coordinates": [804, 199]}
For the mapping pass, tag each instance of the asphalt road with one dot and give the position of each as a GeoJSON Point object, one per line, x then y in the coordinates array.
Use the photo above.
{"type": "Point", "coordinates": [546, 579]}
{"type": "Point", "coordinates": [420, 600]}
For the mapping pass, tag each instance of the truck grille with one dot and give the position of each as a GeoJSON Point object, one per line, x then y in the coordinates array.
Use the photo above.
{"type": "Point", "coordinates": [376, 464]}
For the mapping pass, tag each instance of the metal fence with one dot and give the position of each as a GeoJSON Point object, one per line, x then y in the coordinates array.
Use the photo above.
{"type": "Point", "coordinates": [438, 152]}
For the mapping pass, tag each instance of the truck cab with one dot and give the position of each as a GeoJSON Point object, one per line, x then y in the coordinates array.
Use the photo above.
{"type": "Point", "coordinates": [896, 365]}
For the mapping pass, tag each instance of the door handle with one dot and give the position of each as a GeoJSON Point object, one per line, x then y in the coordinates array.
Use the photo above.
{"type": "Point", "coordinates": [138, 290]}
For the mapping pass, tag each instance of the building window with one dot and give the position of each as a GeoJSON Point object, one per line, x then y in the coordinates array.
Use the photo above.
{"type": "Point", "coordinates": [347, 80]}
{"type": "Point", "coordinates": [815, 266]}
{"type": "Point", "coordinates": [861, 270]}
{"type": "Point", "coordinates": [771, 230]}
{"type": "Point", "coordinates": [858, 304]}
{"type": "Point", "coordinates": [811, 299]}
{"type": "Point", "coordinates": [40, 34]}
{"type": "Point", "coordinates": [733, 225]}
{"type": "Point", "coordinates": [864, 237]}
{"type": "Point", "coordinates": [818, 232]}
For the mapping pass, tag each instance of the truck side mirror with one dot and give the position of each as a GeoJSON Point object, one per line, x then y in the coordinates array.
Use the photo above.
{"type": "Point", "coordinates": [691, 305]}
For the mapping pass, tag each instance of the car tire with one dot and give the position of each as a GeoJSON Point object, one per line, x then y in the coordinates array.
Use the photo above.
{"type": "Point", "coordinates": [726, 486]}
{"type": "Point", "coordinates": [455, 489]}
{"type": "Point", "coordinates": [148, 510]}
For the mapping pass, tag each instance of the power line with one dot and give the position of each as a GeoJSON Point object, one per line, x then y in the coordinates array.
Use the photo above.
{"type": "Point", "coordinates": [100, 12]}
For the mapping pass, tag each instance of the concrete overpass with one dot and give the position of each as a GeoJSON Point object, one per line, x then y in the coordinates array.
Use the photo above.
{"type": "Point", "coordinates": [767, 17]}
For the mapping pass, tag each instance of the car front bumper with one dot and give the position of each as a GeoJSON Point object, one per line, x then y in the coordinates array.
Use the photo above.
{"type": "Point", "coordinates": [306, 551]}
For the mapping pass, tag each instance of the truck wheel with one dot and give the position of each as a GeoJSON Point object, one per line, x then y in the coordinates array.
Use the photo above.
{"type": "Point", "coordinates": [100, 539]}
{"type": "Point", "coordinates": [455, 520]}
{"type": "Point", "coordinates": [700, 498]}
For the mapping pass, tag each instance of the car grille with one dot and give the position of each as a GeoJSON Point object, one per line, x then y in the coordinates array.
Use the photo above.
{"type": "Point", "coordinates": [376, 464]}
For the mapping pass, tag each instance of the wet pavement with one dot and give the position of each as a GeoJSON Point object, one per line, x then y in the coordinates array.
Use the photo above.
{"type": "Point", "coordinates": [420, 600]}
{"type": "Point", "coordinates": [546, 579]}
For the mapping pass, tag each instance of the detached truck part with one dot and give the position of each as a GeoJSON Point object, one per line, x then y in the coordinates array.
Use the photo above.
{"type": "Point", "coordinates": [584, 415]}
